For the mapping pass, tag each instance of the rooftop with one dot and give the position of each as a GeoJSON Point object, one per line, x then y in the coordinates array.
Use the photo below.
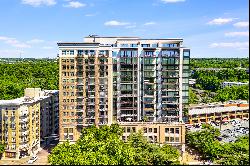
{"type": "Point", "coordinates": [27, 100]}
{"type": "Point", "coordinates": [215, 110]}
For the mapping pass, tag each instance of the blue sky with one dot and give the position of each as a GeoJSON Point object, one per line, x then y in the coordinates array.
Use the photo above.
{"type": "Point", "coordinates": [210, 28]}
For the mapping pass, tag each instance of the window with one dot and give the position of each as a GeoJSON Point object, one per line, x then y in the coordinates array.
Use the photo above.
{"type": "Point", "coordinates": [154, 45]}
{"type": "Point", "coordinates": [185, 93]}
{"type": "Point", "coordinates": [166, 130]}
{"type": "Point", "coordinates": [166, 139]}
{"type": "Point", "coordinates": [64, 52]}
{"type": "Point", "coordinates": [177, 139]}
{"type": "Point", "coordinates": [128, 129]}
{"type": "Point", "coordinates": [70, 137]}
{"type": "Point", "coordinates": [171, 139]}
{"type": "Point", "coordinates": [171, 130]}
{"type": "Point", "coordinates": [145, 45]}
{"type": "Point", "coordinates": [71, 52]}
{"type": "Point", "coordinates": [185, 74]}
{"type": "Point", "coordinates": [150, 130]}
{"type": "Point", "coordinates": [155, 130]}
{"type": "Point", "coordinates": [184, 87]}
{"type": "Point", "coordinates": [133, 128]}
{"type": "Point", "coordinates": [65, 130]}
{"type": "Point", "coordinates": [123, 138]}
{"type": "Point", "coordinates": [145, 129]}
{"type": "Point", "coordinates": [70, 130]}
{"type": "Point", "coordinates": [124, 45]}
{"type": "Point", "coordinates": [186, 53]}
{"type": "Point", "coordinates": [134, 45]}
{"type": "Point", "coordinates": [177, 130]}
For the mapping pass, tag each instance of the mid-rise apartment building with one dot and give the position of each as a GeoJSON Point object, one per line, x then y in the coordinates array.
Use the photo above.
{"type": "Point", "coordinates": [49, 109]}
{"type": "Point", "coordinates": [125, 80]}
{"type": "Point", "coordinates": [25, 121]}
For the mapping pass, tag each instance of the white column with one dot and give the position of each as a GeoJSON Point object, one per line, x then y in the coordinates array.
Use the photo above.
{"type": "Point", "coordinates": [180, 84]}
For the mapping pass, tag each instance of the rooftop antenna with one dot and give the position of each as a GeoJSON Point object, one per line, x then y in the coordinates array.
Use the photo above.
{"type": "Point", "coordinates": [93, 37]}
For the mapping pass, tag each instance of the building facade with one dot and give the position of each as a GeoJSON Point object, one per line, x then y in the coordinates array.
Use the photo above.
{"type": "Point", "coordinates": [49, 109]}
{"type": "Point", "coordinates": [124, 80]}
{"type": "Point", "coordinates": [25, 121]}
{"type": "Point", "coordinates": [222, 112]}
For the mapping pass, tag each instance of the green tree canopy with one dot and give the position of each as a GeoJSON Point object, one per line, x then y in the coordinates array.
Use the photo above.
{"type": "Point", "coordinates": [104, 147]}
{"type": "Point", "coordinates": [205, 142]}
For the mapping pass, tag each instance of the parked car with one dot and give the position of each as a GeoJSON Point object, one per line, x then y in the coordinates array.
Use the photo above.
{"type": "Point", "coordinates": [32, 159]}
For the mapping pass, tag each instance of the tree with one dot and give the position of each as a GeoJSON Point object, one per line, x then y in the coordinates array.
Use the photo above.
{"type": "Point", "coordinates": [205, 142]}
{"type": "Point", "coordinates": [15, 77]}
{"type": "Point", "coordinates": [2, 148]}
{"type": "Point", "coordinates": [103, 146]}
{"type": "Point", "coordinates": [193, 99]}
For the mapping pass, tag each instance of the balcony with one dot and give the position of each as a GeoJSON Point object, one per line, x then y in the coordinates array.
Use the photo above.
{"type": "Point", "coordinates": [103, 116]}
{"type": "Point", "coordinates": [23, 120]}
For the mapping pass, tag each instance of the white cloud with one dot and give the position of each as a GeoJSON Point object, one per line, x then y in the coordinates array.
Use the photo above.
{"type": "Point", "coordinates": [75, 4]}
{"type": "Point", "coordinates": [35, 41]}
{"type": "Point", "coordinates": [116, 23]}
{"type": "Point", "coordinates": [220, 21]}
{"type": "Point", "coordinates": [172, 1]}
{"type": "Point", "coordinates": [241, 24]}
{"type": "Point", "coordinates": [150, 23]}
{"type": "Point", "coordinates": [237, 34]}
{"type": "Point", "coordinates": [37, 3]}
{"type": "Point", "coordinates": [47, 47]}
{"type": "Point", "coordinates": [239, 45]}
{"type": "Point", "coordinates": [14, 42]}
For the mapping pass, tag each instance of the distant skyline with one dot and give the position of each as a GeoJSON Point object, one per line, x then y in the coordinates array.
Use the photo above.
{"type": "Point", "coordinates": [210, 28]}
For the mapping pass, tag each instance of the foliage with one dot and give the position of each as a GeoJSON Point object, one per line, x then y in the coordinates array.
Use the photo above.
{"type": "Point", "coordinates": [233, 93]}
{"type": "Point", "coordinates": [211, 72]}
{"type": "Point", "coordinates": [193, 99]}
{"type": "Point", "coordinates": [211, 80]}
{"type": "Point", "coordinates": [205, 142]}
{"type": "Point", "coordinates": [104, 147]}
{"type": "Point", "coordinates": [15, 77]}
{"type": "Point", "coordinates": [2, 147]}
{"type": "Point", "coordinates": [219, 63]}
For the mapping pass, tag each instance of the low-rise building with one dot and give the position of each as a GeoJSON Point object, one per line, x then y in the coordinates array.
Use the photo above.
{"type": "Point", "coordinates": [225, 84]}
{"type": "Point", "coordinates": [218, 112]}
{"type": "Point", "coordinates": [163, 133]}
{"type": "Point", "coordinates": [24, 121]}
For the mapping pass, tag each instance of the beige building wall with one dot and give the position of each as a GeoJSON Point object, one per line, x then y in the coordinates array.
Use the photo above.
{"type": "Point", "coordinates": [22, 124]}
{"type": "Point", "coordinates": [20, 129]}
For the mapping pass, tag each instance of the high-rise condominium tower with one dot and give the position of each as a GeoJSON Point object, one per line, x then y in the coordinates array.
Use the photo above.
{"type": "Point", "coordinates": [128, 80]}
